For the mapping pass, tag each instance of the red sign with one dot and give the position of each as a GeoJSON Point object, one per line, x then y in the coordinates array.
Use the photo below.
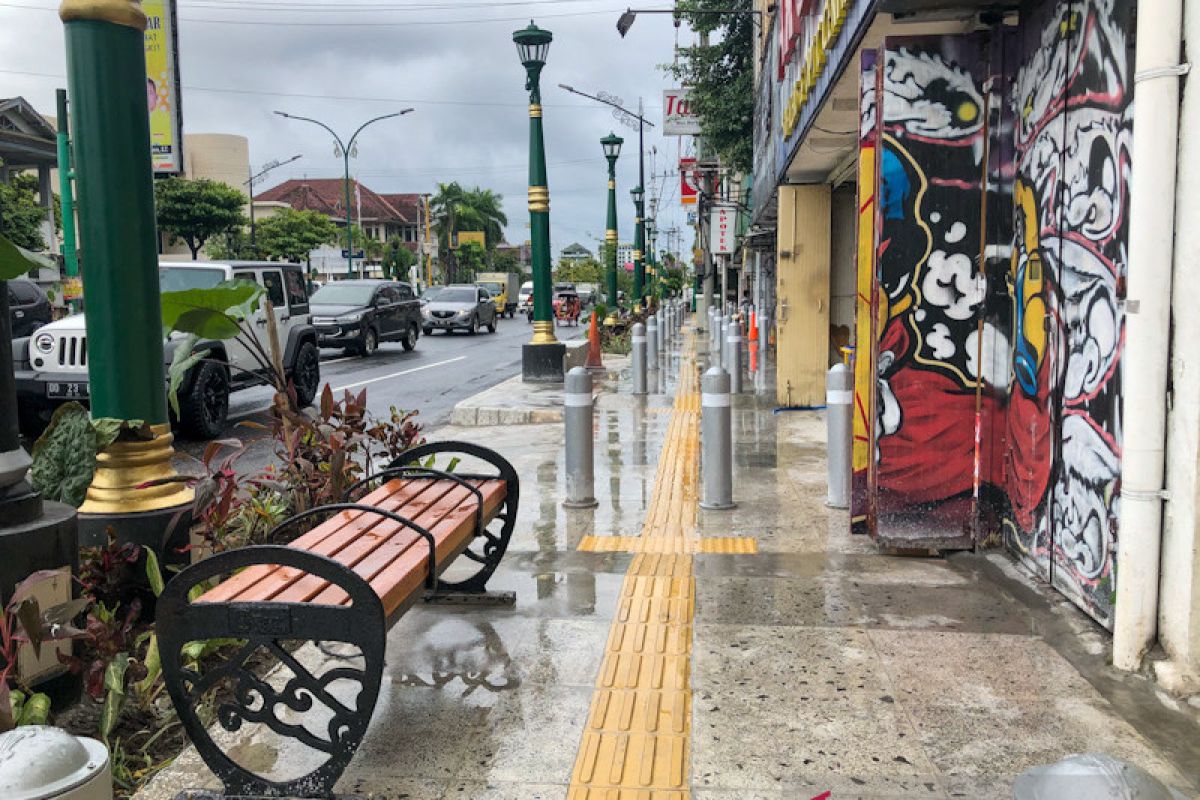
{"type": "Point", "coordinates": [689, 181]}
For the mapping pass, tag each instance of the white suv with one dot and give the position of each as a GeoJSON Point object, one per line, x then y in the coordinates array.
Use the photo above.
{"type": "Point", "coordinates": [52, 363]}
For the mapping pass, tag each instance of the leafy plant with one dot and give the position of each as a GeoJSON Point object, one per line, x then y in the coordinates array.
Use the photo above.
{"type": "Point", "coordinates": [291, 235]}
{"type": "Point", "coordinates": [196, 210]}
{"type": "Point", "coordinates": [15, 260]}
{"type": "Point", "coordinates": [23, 622]}
{"type": "Point", "coordinates": [64, 456]}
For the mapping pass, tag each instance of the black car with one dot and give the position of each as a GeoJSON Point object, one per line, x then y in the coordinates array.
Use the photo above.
{"type": "Point", "coordinates": [28, 307]}
{"type": "Point", "coordinates": [357, 315]}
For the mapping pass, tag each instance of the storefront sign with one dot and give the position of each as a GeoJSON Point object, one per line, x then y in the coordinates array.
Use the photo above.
{"type": "Point", "coordinates": [722, 227]}
{"type": "Point", "coordinates": [815, 55]}
{"type": "Point", "coordinates": [678, 119]}
{"type": "Point", "coordinates": [162, 87]}
{"type": "Point", "coordinates": [689, 181]}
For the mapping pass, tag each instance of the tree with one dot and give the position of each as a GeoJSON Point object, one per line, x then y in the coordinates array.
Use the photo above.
{"type": "Point", "coordinates": [505, 261]}
{"type": "Point", "coordinates": [21, 216]}
{"type": "Point", "coordinates": [721, 78]}
{"type": "Point", "coordinates": [397, 260]}
{"type": "Point", "coordinates": [291, 235]}
{"type": "Point", "coordinates": [456, 209]}
{"type": "Point", "coordinates": [471, 260]}
{"type": "Point", "coordinates": [586, 270]}
{"type": "Point", "coordinates": [235, 245]}
{"type": "Point", "coordinates": [195, 211]}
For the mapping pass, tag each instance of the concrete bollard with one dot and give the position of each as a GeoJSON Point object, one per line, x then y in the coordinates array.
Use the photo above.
{"type": "Point", "coordinates": [652, 341]}
{"type": "Point", "coordinates": [716, 436]}
{"type": "Point", "coordinates": [578, 413]}
{"type": "Point", "coordinates": [638, 342]}
{"type": "Point", "coordinates": [733, 344]}
{"type": "Point", "coordinates": [839, 406]}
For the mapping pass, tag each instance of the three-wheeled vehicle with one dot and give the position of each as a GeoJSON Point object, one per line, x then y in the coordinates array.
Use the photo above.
{"type": "Point", "coordinates": [567, 307]}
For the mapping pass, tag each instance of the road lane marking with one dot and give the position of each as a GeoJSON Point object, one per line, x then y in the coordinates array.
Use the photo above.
{"type": "Point", "coordinates": [400, 374]}
{"type": "Point", "coordinates": [339, 360]}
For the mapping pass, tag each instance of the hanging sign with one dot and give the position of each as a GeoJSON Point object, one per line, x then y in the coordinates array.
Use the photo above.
{"type": "Point", "coordinates": [689, 181]}
{"type": "Point", "coordinates": [722, 222]}
{"type": "Point", "coordinates": [678, 119]}
{"type": "Point", "coordinates": [162, 87]}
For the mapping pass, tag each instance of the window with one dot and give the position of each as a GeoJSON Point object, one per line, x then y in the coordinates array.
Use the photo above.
{"type": "Point", "coordinates": [176, 279]}
{"type": "Point", "coordinates": [273, 282]}
{"type": "Point", "coordinates": [483, 295]}
{"type": "Point", "coordinates": [26, 292]}
{"type": "Point", "coordinates": [390, 294]}
{"type": "Point", "coordinates": [297, 292]}
{"type": "Point", "coordinates": [405, 291]}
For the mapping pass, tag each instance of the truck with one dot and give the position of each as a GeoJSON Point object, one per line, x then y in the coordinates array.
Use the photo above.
{"type": "Point", "coordinates": [503, 287]}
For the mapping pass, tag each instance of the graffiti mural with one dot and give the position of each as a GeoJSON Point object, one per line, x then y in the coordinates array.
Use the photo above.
{"type": "Point", "coordinates": [864, 327]}
{"type": "Point", "coordinates": [1072, 102]}
{"type": "Point", "coordinates": [931, 135]}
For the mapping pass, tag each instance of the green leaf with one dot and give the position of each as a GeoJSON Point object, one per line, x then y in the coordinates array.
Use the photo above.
{"type": "Point", "coordinates": [114, 698]}
{"type": "Point", "coordinates": [35, 711]}
{"type": "Point", "coordinates": [153, 572]}
{"type": "Point", "coordinates": [64, 457]}
{"type": "Point", "coordinates": [15, 261]}
{"type": "Point", "coordinates": [153, 664]}
{"type": "Point", "coordinates": [211, 313]}
{"type": "Point", "coordinates": [183, 359]}
{"type": "Point", "coordinates": [30, 616]}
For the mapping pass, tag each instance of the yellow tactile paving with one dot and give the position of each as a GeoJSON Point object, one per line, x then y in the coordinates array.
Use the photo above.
{"type": "Point", "coordinates": [637, 742]}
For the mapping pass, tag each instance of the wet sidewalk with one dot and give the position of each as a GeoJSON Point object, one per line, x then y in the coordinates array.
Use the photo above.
{"type": "Point", "coordinates": [786, 660]}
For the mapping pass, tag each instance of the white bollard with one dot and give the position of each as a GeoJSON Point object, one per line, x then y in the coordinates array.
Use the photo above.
{"type": "Point", "coordinates": [652, 342]}
{"type": "Point", "coordinates": [716, 439]}
{"type": "Point", "coordinates": [637, 340]}
{"type": "Point", "coordinates": [578, 414]}
{"type": "Point", "coordinates": [839, 420]}
{"type": "Point", "coordinates": [733, 360]}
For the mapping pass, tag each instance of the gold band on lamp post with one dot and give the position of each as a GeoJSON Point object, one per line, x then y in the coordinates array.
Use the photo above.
{"type": "Point", "coordinates": [543, 333]}
{"type": "Point", "coordinates": [539, 199]}
{"type": "Point", "coordinates": [119, 12]}
{"type": "Point", "coordinates": [535, 110]}
{"type": "Point", "coordinates": [610, 237]}
{"type": "Point", "coordinates": [124, 466]}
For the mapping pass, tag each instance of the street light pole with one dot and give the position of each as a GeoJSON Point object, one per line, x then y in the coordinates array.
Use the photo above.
{"type": "Point", "coordinates": [541, 357]}
{"type": "Point", "coordinates": [612, 151]}
{"type": "Point", "coordinates": [345, 148]}
{"type": "Point", "coordinates": [639, 246]}
{"type": "Point", "coordinates": [270, 165]}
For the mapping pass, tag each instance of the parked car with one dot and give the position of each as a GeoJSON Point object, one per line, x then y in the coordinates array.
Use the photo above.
{"type": "Point", "coordinates": [460, 307]}
{"type": "Point", "coordinates": [28, 307]}
{"type": "Point", "coordinates": [359, 314]}
{"type": "Point", "coordinates": [51, 366]}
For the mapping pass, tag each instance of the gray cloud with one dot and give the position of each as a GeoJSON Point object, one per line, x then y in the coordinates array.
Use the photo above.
{"type": "Point", "coordinates": [464, 81]}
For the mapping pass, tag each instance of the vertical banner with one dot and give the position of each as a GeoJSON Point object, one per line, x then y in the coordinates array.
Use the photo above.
{"type": "Point", "coordinates": [722, 222]}
{"type": "Point", "coordinates": [162, 87]}
{"type": "Point", "coordinates": [678, 117]}
{"type": "Point", "coordinates": [688, 182]}
{"type": "Point", "coordinates": [864, 314]}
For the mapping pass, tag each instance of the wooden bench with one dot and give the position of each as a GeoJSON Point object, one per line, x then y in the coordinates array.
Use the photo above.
{"type": "Point", "coordinates": [349, 579]}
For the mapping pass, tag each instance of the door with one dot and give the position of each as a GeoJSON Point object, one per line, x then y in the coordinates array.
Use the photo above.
{"type": "Point", "coordinates": [487, 308]}
{"type": "Point", "coordinates": [392, 312]}
{"type": "Point", "coordinates": [930, 154]}
{"type": "Point", "coordinates": [803, 290]}
{"type": "Point", "coordinates": [410, 307]}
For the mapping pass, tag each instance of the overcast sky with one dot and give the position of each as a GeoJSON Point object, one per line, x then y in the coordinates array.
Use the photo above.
{"type": "Point", "coordinates": [453, 61]}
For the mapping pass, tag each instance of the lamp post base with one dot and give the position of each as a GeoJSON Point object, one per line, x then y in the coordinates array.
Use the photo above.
{"type": "Point", "coordinates": [543, 363]}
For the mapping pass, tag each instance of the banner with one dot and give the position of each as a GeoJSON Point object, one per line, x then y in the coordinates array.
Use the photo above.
{"type": "Point", "coordinates": [722, 222]}
{"type": "Point", "coordinates": [689, 181]}
{"type": "Point", "coordinates": [678, 119]}
{"type": "Point", "coordinates": [162, 87]}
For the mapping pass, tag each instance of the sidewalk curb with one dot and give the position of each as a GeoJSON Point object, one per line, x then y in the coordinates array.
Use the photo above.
{"type": "Point", "coordinates": [514, 402]}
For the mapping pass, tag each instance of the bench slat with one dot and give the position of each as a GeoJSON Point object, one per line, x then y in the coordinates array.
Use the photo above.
{"type": "Point", "coordinates": [390, 556]}
{"type": "Point", "coordinates": [395, 573]}
{"type": "Point", "coordinates": [440, 518]}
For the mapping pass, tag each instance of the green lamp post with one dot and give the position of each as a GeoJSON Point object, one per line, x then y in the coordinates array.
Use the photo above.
{"type": "Point", "coordinates": [639, 245]}
{"type": "Point", "coordinates": [106, 72]}
{"type": "Point", "coordinates": [612, 151]}
{"type": "Point", "coordinates": [542, 357]}
{"type": "Point", "coordinates": [655, 289]}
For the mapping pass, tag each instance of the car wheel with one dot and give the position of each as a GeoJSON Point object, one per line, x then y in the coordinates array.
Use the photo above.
{"type": "Point", "coordinates": [409, 342]}
{"type": "Point", "coordinates": [203, 411]}
{"type": "Point", "coordinates": [492, 325]}
{"type": "Point", "coordinates": [369, 342]}
{"type": "Point", "coordinates": [474, 329]}
{"type": "Point", "coordinates": [306, 373]}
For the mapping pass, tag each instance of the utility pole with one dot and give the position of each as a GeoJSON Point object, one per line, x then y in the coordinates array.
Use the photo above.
{"type": "Point", "coordinates": [270, 165]}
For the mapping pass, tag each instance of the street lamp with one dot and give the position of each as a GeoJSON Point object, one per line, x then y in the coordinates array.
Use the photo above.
{"type": "Point", "coordinates": [270, 165]}
{"type": "Point", "coordinates": [346, 149]}
{"type": "Point", "coordinates": [625, 21]}
{"type": "Point", "coordinates": [542, 357]}
{"type": "Point", "coordinates": [651, 262]}
{"type": "Point", "coordinates": [612, 151]}
{"type": "Point", "coordinates": [639, 245]}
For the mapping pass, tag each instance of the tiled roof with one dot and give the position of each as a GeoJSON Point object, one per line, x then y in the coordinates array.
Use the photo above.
{"type": "Point", "coordinates": [409, 206]}
{"type": "Point", "coordinates": [326, 196]}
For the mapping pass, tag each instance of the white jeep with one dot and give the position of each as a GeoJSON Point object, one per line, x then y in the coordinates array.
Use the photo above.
{"type": "Point", "coordinates": [51, 365]}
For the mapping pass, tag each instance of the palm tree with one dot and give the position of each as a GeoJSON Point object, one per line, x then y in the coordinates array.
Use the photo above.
{"type": "Point", "coordinates": [456, 209]}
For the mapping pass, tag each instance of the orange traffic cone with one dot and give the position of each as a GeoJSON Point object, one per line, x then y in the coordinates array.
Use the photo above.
{"type": "Point", "coordinates": [593, 359]}
{"type": "Point", "coordinates": [753, 333]}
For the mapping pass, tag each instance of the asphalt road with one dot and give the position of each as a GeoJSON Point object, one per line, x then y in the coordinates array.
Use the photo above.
{"type": "Point", "coordinates": [441, 371]}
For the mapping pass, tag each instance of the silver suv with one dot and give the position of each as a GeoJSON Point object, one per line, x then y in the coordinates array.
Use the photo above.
{"type": "Point", "coordinates": [51, 365]}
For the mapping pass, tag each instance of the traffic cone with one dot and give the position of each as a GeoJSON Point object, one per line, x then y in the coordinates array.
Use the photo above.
{"type": "Point", "coordinates": [753, 334]}
{"type": "Point", "coordinates": [593, 359]}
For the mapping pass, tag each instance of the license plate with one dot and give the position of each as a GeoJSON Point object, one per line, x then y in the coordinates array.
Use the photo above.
{"type": "Point", "coordinates": [74, 390]}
